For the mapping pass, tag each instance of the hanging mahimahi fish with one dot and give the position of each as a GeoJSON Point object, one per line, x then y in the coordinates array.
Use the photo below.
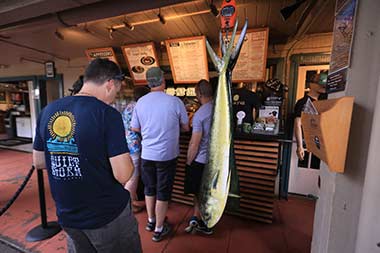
{"type": "Point", "coordinates": [216, 178]}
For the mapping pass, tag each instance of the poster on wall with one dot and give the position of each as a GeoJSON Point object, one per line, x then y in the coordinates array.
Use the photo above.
{"type": "Point", "coordinates": [342, 43]}
{"type": "Point", "coordinates": [104, 53]}
{"type": "Point", "coordinates": [139, 58]}
{"type": "Point", "coordinates": [188, 59]}
{"type": "Point", "coordinates": [251, 64]}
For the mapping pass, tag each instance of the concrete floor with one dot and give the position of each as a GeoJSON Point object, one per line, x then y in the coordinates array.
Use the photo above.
{"type": "Point", "coordinates": [291, 231]}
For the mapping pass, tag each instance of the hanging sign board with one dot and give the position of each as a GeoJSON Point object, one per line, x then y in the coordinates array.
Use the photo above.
{"type": "Point", "coordinates": [188, 59]}
{"type": "Point", "coordinates": [140, 57]}
{"type": "Point", "coordinates": [104, 53]}
{"type": "Point", "coordinates": [251, 64]}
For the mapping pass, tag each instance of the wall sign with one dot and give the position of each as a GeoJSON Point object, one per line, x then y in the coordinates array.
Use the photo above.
{"type": "Point", "coordinates": [140, 57]}
{"type": "Point", "coordinates": [337, 81]}
{"type": "Point", "coordinates": [104, 53]}
{"type": "Point", "coordinates": [188, 59]}
{"type": "Point", "coordinates": [49, 69]}
{"type": "Point", "coordinates": [251, 64]}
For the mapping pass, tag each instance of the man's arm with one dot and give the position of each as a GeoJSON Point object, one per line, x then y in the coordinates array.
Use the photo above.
{"type": "Point", "coordinates": [298, 134]}
{"type": "Point", "coordinates": [39, 159]}
{"type": "Point", "coordinates": [122, 167]}
{"type": "Point", "coordinates": [193, 147]}
{"type": "Point", "coordinates": [185, 127]}
{"type": "Point", "coordinates": [135, 123]}
{"type": "Point", "coordinates": [254, 114]}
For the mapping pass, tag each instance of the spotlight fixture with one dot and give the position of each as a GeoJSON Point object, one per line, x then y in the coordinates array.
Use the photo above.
{"type": "Point", "coordinates": [59, 35]}
{"type": "Point", "coordinates": [213, 9]}
{"type": "Point", "coordinates": [160, 17]}
{"type": "Point", "coordinates": [289, 10]}
{"type": "Point", "coordinates": [110, 33]}
{"type": "Point", "coordinates": [129, 26]}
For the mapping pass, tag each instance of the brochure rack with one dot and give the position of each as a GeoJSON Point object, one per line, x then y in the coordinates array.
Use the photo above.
{"type": "Point", "coordinates": [326, 134]}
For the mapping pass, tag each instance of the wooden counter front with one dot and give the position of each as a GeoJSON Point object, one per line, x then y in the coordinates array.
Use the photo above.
{"type": "Point", "coordinates": [257, 163]}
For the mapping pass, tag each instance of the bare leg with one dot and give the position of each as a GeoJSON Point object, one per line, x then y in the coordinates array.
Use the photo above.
{"type": "Point", "coordinates": [161, 209]}
{"type": "Point", "coordinates": [150, 206]}
{"type": "Point", "coordinates": [196, 208]}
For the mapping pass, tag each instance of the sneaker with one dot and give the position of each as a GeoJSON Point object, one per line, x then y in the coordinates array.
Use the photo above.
{"type": "Point", "coordinates": [158, 236]}
{"type": "Point", "coordinates": [150, 226]}
{"type": "Point", "coordinates": [193, 221]}
{"type": "Point", "coordinates": [203, 228]}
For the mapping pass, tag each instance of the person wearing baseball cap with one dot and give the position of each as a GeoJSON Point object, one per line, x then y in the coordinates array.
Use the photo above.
{"type": "Point", "coordinates": [160, 118]}
{"type": "Point", "coordinates": [317, 85]}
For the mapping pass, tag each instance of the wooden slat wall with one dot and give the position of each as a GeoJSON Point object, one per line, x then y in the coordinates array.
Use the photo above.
{"type": "Point", "coordinates": [257, 163]}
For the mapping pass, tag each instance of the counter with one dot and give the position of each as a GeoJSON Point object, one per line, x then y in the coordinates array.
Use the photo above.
{"type": "Point", "coordinates": [257, 161]}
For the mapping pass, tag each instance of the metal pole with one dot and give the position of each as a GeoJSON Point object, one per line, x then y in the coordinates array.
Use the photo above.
{"type": "Point", "coordinates": [41, 193]}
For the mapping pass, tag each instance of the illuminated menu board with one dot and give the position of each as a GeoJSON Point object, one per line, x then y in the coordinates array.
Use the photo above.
{"type": "Point", "coordinates": [188, 59]}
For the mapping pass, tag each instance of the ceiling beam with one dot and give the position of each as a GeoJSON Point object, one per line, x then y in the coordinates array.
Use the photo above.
{"type": "Point", "coordinates": [309, 17]}
{"type": "Point", "coordinates": [11, 5]}
{"type": "Point", "coordinates": [91, 12]}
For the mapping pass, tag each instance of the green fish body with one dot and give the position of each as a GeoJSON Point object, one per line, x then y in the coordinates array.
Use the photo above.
{"type": "Point", "coordinates": [216, 178]}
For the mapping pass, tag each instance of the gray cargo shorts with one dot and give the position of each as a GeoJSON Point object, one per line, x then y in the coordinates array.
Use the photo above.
{"type": "Point", "coordinates": [120, 235]}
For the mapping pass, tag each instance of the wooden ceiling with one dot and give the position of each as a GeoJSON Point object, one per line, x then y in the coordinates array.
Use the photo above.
{"type": "Point", "coordinates": [85, 24]}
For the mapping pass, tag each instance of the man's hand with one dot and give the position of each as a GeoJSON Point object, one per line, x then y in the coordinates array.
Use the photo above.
{"type": "Point", "coordinates": [300, 153]}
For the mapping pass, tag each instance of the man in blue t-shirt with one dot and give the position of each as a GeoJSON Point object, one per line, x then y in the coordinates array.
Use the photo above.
{"type": "Point", "coordinates": [159, 117]}
{"type": "Point", "coordinates": [197, 154]}
{"type": "Point", "coordinates": [80, 141]}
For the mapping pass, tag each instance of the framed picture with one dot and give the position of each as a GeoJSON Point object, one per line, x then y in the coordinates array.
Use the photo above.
{"type": "Point", "coordinates": [3, 98]}
{"type": "Point", "coordinates": [140, 57]}
{"type": "Point", "coordinates": [188, 59]}
{"type": "Point", "coordinates": [251, 64]}
{"type": "Point", "coordinates": [104, 53]}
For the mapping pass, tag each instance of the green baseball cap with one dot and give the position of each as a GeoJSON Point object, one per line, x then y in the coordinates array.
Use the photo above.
{"type": "Point", "coordinates": [322, 78]}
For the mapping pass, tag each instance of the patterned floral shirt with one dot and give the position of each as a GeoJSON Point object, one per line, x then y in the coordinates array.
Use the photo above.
{"type": "Point", "coordinates": [133, 139]}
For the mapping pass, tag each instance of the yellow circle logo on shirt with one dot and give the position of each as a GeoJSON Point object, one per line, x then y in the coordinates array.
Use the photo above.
{"type": "Point", "coordinates": [236, 97]}
{"type": "Point", "coordinates": [62, 126]}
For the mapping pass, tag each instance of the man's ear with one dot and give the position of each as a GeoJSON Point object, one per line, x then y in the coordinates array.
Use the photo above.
{"type": "Point", "coordinates": [109, 85]}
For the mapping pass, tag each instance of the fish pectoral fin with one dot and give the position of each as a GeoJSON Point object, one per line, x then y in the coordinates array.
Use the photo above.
{"type": "Point", "coordinates": [215, 180]}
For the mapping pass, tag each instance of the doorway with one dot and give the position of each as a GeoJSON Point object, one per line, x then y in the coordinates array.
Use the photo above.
{"type": "Point", "coordinates": [21, 100]}
{"type": "Point", "coordinates": [304, 175]}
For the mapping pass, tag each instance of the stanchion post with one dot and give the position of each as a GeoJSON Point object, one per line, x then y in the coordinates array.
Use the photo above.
{"type": "Point", "coordinates": [46, 229]}
{"type": "Point", "coordinates": [41, 193]}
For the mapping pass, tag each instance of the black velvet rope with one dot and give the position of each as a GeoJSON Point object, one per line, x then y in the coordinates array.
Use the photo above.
{"type": "Point", "coordinates": [22, 186]}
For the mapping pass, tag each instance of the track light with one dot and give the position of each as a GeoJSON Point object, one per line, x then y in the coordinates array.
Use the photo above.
{"type": "Point", "coordinates": [59, 35]}
{"type": "Point", "coordinates": [161, 18]}
{"type": "Point", "coordinates": [129, 26]}
{"type": "Point", "coordinates": [289, 10]}
{"type": "Point", "coordinates": [110, 33]}
{"type": "Point", "coordinates": [213, 9]}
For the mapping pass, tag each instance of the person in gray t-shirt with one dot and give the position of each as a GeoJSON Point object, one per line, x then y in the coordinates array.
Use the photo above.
{"type": "Point", "coordinates": [197, 154]}
{"type": "Point", "coordinates": [160, 118]}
